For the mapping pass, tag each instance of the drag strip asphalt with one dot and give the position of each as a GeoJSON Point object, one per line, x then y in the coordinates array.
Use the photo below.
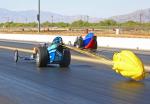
{"type": "Point", "coordinates": [81, 83]}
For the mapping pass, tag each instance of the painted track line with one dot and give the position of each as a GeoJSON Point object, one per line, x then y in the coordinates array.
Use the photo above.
{"type": "Point", "coordinates": [14, 48]}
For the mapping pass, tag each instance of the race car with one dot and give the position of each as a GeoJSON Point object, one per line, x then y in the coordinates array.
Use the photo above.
{"type": "Point", "coordinates": [89, 42]}
{"type": "Point", "coordinates": [55, 53]}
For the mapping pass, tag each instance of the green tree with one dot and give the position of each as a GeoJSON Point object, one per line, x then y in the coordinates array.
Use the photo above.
{"type": "Point", "coordinates": [108, 22]}
{"type": "Point", "coordinates": [131, 23]}
{"type": "Point", "coordinates": [80, 23]}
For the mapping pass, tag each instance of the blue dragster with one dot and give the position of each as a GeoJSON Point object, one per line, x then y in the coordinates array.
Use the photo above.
{"type": "Point", "coordinates": [55, 53]}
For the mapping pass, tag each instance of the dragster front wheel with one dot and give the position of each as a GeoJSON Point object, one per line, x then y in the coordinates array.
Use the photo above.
{"type": "Point", "coordinates": [16, 56]}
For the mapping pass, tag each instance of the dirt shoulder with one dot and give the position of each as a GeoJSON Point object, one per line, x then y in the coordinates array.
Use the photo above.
{"type": "Point", "coordinates": [68, 33]}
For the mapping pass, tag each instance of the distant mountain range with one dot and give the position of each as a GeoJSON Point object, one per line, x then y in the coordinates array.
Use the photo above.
{"type": "Point", "coordinates": [137, 16]}
{"type": "Point", "coordinates": [31, 16]}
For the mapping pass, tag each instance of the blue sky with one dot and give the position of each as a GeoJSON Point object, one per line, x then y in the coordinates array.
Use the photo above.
{"type": "Point", "coordinates": [95, 8]}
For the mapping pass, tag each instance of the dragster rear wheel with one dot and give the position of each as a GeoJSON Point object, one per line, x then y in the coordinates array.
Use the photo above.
{"type": "Point", "coordinates": [66, 58]}
{"type": "Point", "coordinates": [41, 57]}
{"type": "Point", "coordinates": [95, 39]}
{"type": "Point", "coordinates": [95, 45]}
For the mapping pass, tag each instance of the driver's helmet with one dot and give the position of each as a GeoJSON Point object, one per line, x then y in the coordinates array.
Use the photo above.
{"type": "Point", "coordinates": [57, 40]}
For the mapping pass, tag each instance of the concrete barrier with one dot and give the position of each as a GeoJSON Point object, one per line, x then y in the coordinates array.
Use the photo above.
{"type": "Point", "coordinates": [128, 43]}
{"type": "Point", "coordinates": [112, 42]}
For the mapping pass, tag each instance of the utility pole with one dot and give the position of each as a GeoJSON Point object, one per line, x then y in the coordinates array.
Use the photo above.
{"type": "Point", "coordinates": [87, 18]}
{"type": "Point", "coordinates": [7, 19]}
{"type": "Point", "coordinates": [141, 17]}
{"type": "Point", "coordinates": [52, 17]}
{"type": "Point", "coordinates": [149, 15]}
{"type": "Point", "coordinates": [26, 20]}
{"type": "Point", "coordinates": [39, 17]}
{"type": "Point", "coordinates": [81, 18]}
